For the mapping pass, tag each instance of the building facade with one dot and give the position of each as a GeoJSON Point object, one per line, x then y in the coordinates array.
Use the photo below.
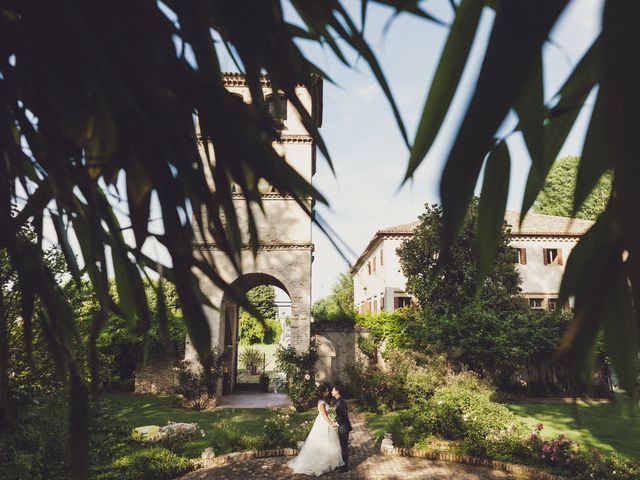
{"type": "Point", "coordinates": [541, 246]}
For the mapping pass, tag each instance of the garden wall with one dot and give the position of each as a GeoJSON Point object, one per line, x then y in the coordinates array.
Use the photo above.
{"type": "Point", "coordinates": [337, 350]}
{"type": "Point", "coordinates": [156, 375]}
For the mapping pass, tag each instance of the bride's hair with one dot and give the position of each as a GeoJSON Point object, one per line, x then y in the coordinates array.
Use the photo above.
{"type": "Point", "coordinates": [323, 387]}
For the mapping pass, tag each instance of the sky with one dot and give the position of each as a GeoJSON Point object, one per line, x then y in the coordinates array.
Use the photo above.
{"type": "Point", "coordinates": [364, 141]}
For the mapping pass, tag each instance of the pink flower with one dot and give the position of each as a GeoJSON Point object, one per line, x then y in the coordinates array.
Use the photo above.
{"type": "Point", "coordinates": [546, 448]}
{"type": "Point", "coordinates": [540, 426]}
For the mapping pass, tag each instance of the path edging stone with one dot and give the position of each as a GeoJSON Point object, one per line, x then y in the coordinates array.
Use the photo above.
{"type": "Point", "coordinates": [530, 472]}
{"type": "Point", "coordinates": [237, 457]}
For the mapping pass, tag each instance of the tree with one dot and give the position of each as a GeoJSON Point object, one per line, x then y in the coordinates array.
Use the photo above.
{"type": "Point", "coordinates": [448, 289]}
{"type": "Point", "coordinates": [338, 305]}
{"type": "Point", "coordinates": [556, 198]}
{"type": "Point", "coordinates": [491, 331]}
{"type": "Point", "coordinates": [266, 329]}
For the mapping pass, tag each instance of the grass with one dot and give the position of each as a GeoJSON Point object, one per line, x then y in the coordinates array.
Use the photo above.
{"type": "Point", "coordinates": [597, 425]}
{"type": "Point", "coordinates": [379, 424]}
{"type": "Point", "coordinates": [226, 430]}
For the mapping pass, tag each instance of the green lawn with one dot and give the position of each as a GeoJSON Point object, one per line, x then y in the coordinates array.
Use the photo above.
{"type": "Point", "coordinates": [226, 430]}
{"type": "Point", "coordinates": [603, 426]}
{"type": "Point", "coordinates": [379, 424]}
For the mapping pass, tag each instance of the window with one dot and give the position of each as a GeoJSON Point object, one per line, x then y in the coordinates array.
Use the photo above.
{"type": "Point", "coordinates": [519, 255]}
{"type": "Point", "coordinates": [400, 302]}
{"type": "Point", "coordinates": [552, 256]}
{"type": "Point", "coordinates": [374, 264]}
{"type": "Point", "coordinates": [369, 267]}
{"type": "Point", "coordinates": [381, 302]}
{"type": "Point", "coordinates": [552, 303]}
{"type": "Point", "coordinates": [381, 258]}
{"type": "Point", "coordinates": [535, 303]}
{"type": "Point", "coordinates": [277, 109]}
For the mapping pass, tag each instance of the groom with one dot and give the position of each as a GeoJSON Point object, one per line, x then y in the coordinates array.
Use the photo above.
{"type": "Point", "coordinates": [343, 424]}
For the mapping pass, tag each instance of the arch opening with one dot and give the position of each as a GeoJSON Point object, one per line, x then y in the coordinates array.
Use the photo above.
{"type": "Point", "coordinates": [252, 345]}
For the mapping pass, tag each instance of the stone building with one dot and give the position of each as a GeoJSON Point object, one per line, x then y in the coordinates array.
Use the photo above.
{"type": "Point", "coordinates": [541, 247]}
{"type": "Point", "coordinates": [284, 229]}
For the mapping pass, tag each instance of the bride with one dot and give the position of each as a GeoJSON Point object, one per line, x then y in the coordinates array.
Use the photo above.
{"type": "Point", "coordinates": [321, 451]}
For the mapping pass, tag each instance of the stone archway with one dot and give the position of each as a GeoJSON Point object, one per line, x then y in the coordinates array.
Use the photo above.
{"type": "Point", "coordinates": [287, 267]}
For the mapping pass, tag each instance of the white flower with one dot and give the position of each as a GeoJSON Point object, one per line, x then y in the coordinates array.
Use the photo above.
{"type": "Point", "coordinates": [439, 402]}
{"type": "Point", "coordinates": [307, 376]}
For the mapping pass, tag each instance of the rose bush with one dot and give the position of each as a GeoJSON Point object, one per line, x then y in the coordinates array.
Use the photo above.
{"type": "Point", "coordinates": [298, 368]}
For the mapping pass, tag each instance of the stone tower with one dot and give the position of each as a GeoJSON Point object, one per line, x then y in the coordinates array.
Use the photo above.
{"type": "Point", "coordinates": [285, 254]}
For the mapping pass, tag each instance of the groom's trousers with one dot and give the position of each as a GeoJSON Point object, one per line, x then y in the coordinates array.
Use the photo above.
{"type": "Point", "coordinates": [343, 433]}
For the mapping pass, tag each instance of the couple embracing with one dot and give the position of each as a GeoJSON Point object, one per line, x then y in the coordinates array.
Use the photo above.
{"type": "Point", "coordinates": [325, 448]}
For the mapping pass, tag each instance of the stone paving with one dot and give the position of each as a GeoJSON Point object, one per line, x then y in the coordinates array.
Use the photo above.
{"type": "Point", "coordinates": [365, 462]}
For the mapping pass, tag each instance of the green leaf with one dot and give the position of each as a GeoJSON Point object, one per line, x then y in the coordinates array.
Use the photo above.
{"type": "Point", "coordinates": [595, 159]}
{"type": "Point", "coordinates": [139, 200]}
{"type": "Point", "coordinates": [446, 79]}
{"type": "Point", "coordinates": [519, 31]}
{"type": "Point", "coordinates": [620, 330]}
{"type": "Point", "coordinates": [126, 295]}
{"type": "Point", "coordinates": [493, 203]}
{"type": "Point", "coordinates": [561, 117]}
{"type": "Point", "coordinates": [530, 110]}
{"type": "Point", "coordinates": [67, 251]}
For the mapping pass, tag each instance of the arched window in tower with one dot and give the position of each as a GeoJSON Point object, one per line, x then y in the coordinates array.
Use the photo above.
{"type": "Point", "coordinates": [277, 104]}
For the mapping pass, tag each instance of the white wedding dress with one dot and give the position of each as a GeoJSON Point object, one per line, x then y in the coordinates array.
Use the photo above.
{"type": "Point", "coordinates": [321, 451]}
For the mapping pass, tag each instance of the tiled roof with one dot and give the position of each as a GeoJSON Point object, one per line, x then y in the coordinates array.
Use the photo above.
{"type": "Point", "coordinates": [538, 224]}
{"type": "Point", "coordinates": [534, 224]}
{"type": "Point", "coordinates": [404, 228]}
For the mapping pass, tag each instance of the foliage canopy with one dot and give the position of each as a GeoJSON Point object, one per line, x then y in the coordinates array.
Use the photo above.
{"type": "Point", "coordinates": [556, 198]}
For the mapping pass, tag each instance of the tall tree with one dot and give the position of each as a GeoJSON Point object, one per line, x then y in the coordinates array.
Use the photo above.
{"type": "Point", "coordinates": [450, 288]}
{"type": "Point", "coordinates": [556, 198]}
{"type": "Point", "coordinates": [260, 330]}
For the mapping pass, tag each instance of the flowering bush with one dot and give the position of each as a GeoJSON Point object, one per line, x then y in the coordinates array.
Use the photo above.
{"type": "Point", "coordinates": [172, 436]}
{"type": "Point", "coordinates": [299, 371]}
{"type": "Point", "coordinates": [175, 435]}
{"type": "Point", "coordinates": [278, 432]}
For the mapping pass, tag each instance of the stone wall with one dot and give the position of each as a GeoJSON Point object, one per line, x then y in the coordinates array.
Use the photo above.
{"type": "Point", "coordinates": [337, 350]}
{"type": "Point", "coordinates": [156, 375]}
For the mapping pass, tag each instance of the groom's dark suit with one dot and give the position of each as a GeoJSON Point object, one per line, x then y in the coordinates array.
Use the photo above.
{"type": "Point", "coordinates": [344, 427]}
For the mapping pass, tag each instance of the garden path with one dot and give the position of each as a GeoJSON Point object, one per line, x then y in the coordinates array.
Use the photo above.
{"type": "Point", "coordinates": [366, 463]}
{"type": "Point", "coordinates": [254, 400]}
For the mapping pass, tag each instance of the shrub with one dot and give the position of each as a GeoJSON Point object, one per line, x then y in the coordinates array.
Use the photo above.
{"type": "Point", "coordinates": [299, 371]}
{"type": "Point", "coordinates": [196, 384]}
{"type": "Point", "coordinates": [252, 359]}
{"type": "Point", "coordinates": [175, 435]}
{"type": "Point", "coordinates": [407, 378]}
{"type": "Point", "coordinates": [155, 463]}
{"type": "Point", "coordinates": [377, 390]}
{"type": "Point", "coordinates": [226, 438]}
{"type": "Point", "coordinates": [278, 432]}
